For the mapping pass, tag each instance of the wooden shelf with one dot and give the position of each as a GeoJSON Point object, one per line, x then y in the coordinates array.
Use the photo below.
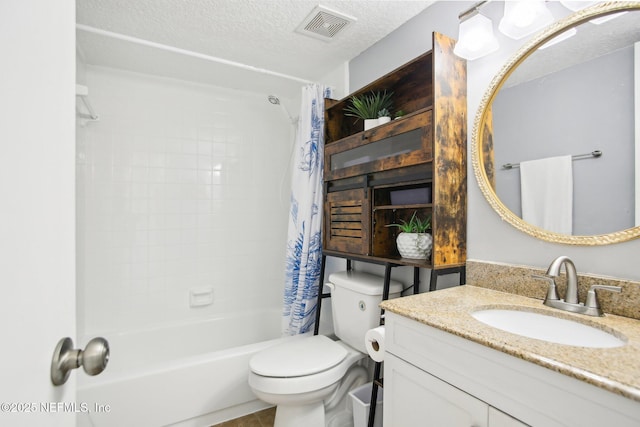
{"type": "Point", "coordinates": [383, 127]}
{"type": "Point", "coordinates": [384, 175]}
{"type": "Point", "coordinates": [394, 207]}
{"type": "Point", "coordinates": [412, 89]}
{"type": "Point", "coordinates": [394, 261]}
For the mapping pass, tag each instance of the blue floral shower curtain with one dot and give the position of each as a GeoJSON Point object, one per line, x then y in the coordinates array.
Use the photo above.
{"type": "Point", "coordinates": [304, 240]}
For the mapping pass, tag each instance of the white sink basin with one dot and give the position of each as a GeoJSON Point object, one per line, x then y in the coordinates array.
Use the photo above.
{"type": "Point", "coordinates": [547, 328]}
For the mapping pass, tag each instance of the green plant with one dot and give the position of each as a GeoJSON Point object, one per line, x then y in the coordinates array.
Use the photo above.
{"type": "Point", "coordinates": [399, 114]}
{"type": "Point", "coordinates": [414, 225]}
{"type": "Point", "coordinates": [366, 106]}
{"type": "Point", "coordinates": [384, 113]}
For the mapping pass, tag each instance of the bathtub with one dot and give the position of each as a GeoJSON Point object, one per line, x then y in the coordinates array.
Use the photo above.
{"type": "Point", "coordinates": [188, 375]}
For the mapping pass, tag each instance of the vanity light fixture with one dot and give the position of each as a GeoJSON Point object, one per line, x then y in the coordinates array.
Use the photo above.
{"type": "Point", "coordinates": [522, 18]}
{"type": "Point", "coordinates": [475, 35]}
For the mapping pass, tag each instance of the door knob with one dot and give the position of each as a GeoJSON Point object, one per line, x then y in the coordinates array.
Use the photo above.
{"type": "Point", "coordinates": [93, 359]}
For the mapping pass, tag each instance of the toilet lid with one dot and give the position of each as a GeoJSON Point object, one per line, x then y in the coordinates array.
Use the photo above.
{"type": "Point", "coordinates": [299, 357]}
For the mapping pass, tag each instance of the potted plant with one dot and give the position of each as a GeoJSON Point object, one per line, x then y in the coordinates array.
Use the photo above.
{"type": "Point", "coordinates": [367, 106]}
{"type": "Point", "coordinates": [399, 114]}
{"type": "Point", "coordinates": [414, 241]}
{"type": "Point", "coordinates": [384, 116]}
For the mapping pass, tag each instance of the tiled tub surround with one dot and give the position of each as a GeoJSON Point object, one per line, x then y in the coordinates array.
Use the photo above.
{"type": "Point", "coordinates": [180, 187]}
{"type": "Point", "coordinates": [613, 369]}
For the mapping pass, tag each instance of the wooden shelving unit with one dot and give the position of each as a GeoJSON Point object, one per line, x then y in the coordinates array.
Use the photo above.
{"type": "Point", "coordinates": [417, 163]}
{"type": "Point", "coordinates": [425, 151]}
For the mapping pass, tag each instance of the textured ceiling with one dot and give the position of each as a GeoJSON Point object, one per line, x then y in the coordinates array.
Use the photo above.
{"type": "Point", "coordinates": [259, 33]}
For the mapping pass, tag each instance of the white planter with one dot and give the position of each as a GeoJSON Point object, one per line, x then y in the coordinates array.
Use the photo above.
{"type": "Point", "coordinates": [382, 120]}
{"type": "Point", "coordinates": [370, 123]}
{"type": "Point", "coordinates": [414, 245]}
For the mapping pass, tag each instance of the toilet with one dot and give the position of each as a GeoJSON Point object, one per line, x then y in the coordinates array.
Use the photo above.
{"type": "Point", "coordinates": [308, 378]}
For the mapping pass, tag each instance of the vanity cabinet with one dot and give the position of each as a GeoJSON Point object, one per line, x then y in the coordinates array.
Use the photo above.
{"type": "Point", "coordinates": [433, 378]}
{"type": "Point", "coordinates": [420, 399]}
{"type": "Point", "coordinates": [414, 164]}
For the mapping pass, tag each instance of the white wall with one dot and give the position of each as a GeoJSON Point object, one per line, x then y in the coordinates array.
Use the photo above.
{"type": "Point", "coordinates": [338, 80]}
{"type": "Point", "coordinates": [180, 186]}
{"type": "Point", "coordinates": [489, 238]}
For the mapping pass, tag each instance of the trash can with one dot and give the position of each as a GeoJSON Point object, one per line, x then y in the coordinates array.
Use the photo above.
{"type": "Point", "coordinates": [361, 398]}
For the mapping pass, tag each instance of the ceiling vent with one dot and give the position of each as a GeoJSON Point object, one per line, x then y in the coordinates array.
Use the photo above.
{"type": "Point", "coordinates": [324, 23]}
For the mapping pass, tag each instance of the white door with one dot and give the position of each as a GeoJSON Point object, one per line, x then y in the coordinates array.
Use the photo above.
{"type": "Point", "coordinates": [37, 207]}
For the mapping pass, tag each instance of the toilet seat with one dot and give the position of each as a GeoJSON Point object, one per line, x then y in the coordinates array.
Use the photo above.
{"type": "Point", "coordinates": [327, 372]}
{"type": "Point", "coordinates": [306, 356]}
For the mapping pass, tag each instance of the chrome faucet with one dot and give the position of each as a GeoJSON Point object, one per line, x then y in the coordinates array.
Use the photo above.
{"type": "Point", "coordinates": [591, 307]}
{"type": "Point", "coordinates": [571, 296]}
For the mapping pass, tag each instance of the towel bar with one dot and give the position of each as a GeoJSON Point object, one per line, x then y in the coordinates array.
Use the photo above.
{"type": "Point", "coordinates": [595, 153]}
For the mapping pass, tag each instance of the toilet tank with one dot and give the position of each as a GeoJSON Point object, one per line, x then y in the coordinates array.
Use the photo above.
{"type": "Point", "coordinates": [354, 304]}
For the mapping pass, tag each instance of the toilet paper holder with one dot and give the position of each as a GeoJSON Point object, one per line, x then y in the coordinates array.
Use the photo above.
{"type": "Point", "coordinates": [374, 343]}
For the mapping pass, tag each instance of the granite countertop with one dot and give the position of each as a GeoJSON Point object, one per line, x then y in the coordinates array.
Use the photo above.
{"type": "Point", "coordinates": [614, 369]}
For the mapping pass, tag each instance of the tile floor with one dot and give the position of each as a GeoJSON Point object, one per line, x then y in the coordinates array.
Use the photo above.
{"type": "Point", "coordinates": [262, 418]}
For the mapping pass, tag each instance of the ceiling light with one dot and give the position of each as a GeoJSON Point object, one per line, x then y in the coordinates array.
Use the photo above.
{"type": "Point", "coordinates": [475, 36]}
{"type": "Point", "coordinates": [522, 18]}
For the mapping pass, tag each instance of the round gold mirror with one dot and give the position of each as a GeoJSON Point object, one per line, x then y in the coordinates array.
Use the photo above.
{"type": "Point", "coordinates": [572, 99]}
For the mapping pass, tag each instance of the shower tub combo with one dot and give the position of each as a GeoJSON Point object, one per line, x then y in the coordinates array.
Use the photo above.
{"type": "Point", "coordinates": [189, 375]}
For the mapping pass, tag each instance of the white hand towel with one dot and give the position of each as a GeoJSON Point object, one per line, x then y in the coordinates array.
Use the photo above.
{"type": "Point", "coordinates": [547, 193]}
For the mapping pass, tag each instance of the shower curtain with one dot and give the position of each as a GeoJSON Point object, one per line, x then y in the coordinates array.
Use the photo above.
{"type": "Point", "coordinates": [304, 240]}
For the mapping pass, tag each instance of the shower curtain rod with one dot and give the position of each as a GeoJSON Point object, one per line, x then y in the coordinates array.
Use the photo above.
{"type": "Point", "coordinates": [188, 53]}
{"type": "Point", "coordinates": [82, 92]}
{"type": "Point", "coordinates": [595, 153]}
